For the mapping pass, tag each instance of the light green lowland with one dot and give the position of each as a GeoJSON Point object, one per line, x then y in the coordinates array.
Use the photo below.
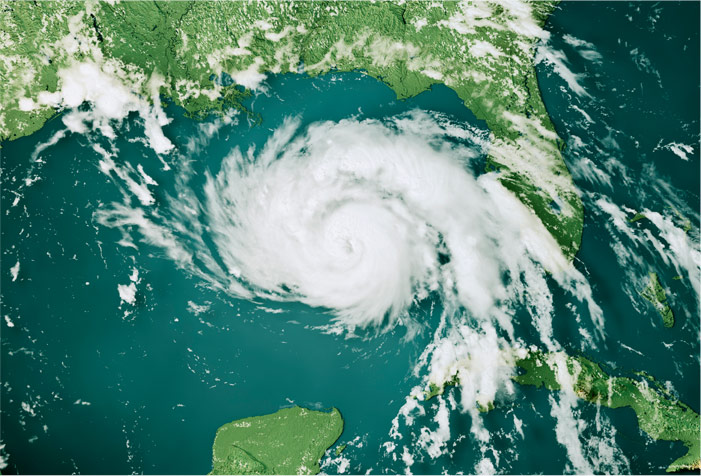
{"type": "Point", "coordinates": [655, 293]}
{"type": "Point", "coordinates": [660, 415]}
{"type": "Point", "coordinates": [484, 51]}
{"type": "Point", "coordinates": [290, 441]}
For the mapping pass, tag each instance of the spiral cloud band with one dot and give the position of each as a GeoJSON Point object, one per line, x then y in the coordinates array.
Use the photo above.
{"type": "Point", "coordinates": [363, 218]}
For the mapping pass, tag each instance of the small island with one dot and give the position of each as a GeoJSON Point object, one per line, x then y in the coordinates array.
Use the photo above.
{"type": "Point", "coordinates": [655, 293]}
{"type": "Point", "coordinates": [289, 441]}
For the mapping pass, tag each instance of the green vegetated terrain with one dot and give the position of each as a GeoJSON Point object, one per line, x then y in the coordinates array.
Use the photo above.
{"type": "Point", "coordinates": [289, 441]}
{"type": "Point", "coordinates": [659, 413]}
{"type": "Point", "coordinates": [484, 52]}
{"type": "Point", "coordinates": [637, 217]}
{"type": "Point", "coordinates": [655, 293]}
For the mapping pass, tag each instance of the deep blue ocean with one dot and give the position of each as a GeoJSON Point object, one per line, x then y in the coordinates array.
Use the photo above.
{"type": "Point", "coordinates": [91, 384]}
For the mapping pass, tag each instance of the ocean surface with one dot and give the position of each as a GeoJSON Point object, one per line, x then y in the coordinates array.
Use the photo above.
{"type": "Point", "coordinates": [95, 382]}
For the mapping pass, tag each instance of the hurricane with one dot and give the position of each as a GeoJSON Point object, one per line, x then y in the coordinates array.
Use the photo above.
{"type": "Point", "coordinates": [460, 260]}
{"type": "Point", "coordinates": [367, 220]}
{"type": "Point", "coordinates": [363, 218]}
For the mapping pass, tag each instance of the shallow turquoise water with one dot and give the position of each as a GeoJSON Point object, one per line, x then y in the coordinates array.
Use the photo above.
{"type": "Point", "coordinates": [146, 392]}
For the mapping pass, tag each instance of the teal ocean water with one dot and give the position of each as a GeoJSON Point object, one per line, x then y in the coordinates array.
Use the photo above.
{"type": "Point", "coordinates": [93, 383]}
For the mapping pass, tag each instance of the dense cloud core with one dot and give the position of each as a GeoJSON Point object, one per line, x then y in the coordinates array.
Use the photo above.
{"type": "Point", "coordinates": [363, 218]}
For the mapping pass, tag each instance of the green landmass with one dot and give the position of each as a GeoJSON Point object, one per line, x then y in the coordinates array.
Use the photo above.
{"type": "Point", "coordinates": [289, 441]}
{"type": "Point", "coordinates": [655, 293]}
{"type": "Point", "coordinates": [638, 217]}
{"type": "Point", "coordinates": [683, 221]}
{"type": "Point", "coordinates": [687, 226]}
{"type": "Point", "coordinates": [483, 52]}
{"type": "Point", "coordinates": [434, 389]}
{"type": "Point", "coordinates": [659, 413]}
{"type": "Point", "coordinates": [340, 449]}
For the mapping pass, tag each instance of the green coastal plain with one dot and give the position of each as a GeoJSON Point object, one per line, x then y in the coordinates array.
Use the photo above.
{"type": "Point", "coordinates": [655, 294]}
{"type": "Point", "coordinates": [659, 413]}
{"type": "Point", "coordinates": [289, 441]}
{"type": "Point", "coordinates": [182, 50]}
